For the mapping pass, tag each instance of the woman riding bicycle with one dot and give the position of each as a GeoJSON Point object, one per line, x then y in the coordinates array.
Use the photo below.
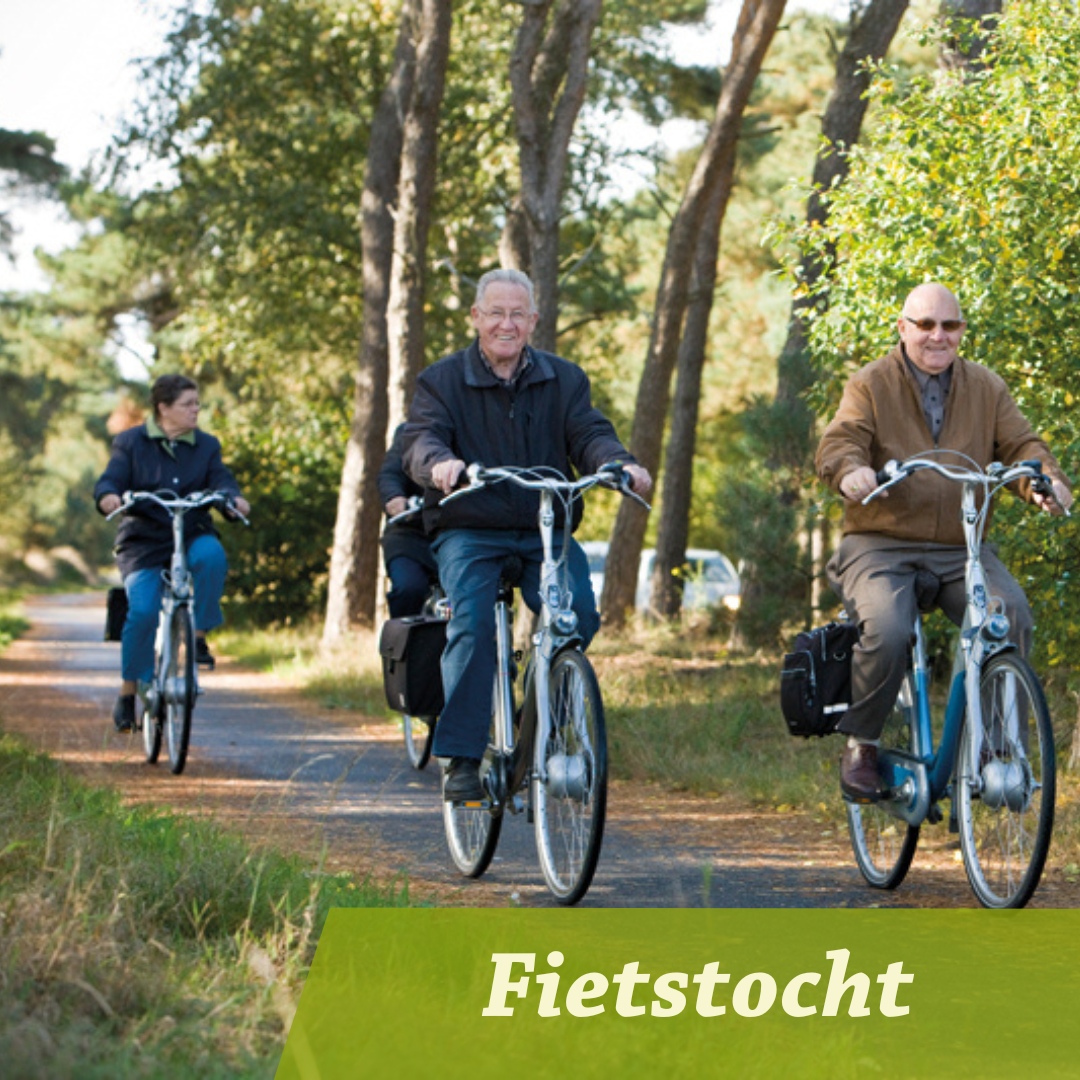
{"type": "Point", "coordinates": [921, 397]}
{"type": "Point", "coordinates": [168, 452]}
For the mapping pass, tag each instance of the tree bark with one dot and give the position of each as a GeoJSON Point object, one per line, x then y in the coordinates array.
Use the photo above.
{"type": "Point", "coordinates": [548, 76]}
{"type": "Point", "coordinates": [405, 309]}
{"type": "Point", "coordinates": [968, 54]}
{"type": "Point", "coordinates": [354, 557]}
{"type": "Point", "coordinates": [673, 532]}
{"type": "Point", "coordinates": [757, 25]}
{"type": "Point", "coordinates": [841, 126]}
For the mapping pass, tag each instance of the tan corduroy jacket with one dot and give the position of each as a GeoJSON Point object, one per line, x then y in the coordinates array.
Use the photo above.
{"type": "Point", "coordinates": [880, 418]}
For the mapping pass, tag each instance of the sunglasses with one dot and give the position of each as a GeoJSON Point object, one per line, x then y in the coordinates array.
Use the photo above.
{"type": "Point", "coordinates": [950, 326]}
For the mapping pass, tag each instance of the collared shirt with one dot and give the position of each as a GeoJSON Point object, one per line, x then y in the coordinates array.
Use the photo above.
{"type": "Point", "coordinates": [523, 365]}
{"type": "Point", "coordinates": [935, 391]}
{"type": "Point", "coordinates": [153, 429]}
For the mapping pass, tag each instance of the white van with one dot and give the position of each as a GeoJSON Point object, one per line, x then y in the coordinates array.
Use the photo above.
{"type": "Point", "coordinates": [711, 579]}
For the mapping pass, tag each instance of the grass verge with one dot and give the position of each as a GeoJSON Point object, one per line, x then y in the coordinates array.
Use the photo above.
{"type": "Point", "coordinates": [139, 943]}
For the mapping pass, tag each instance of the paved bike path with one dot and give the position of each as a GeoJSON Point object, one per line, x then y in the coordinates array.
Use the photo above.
{"type": "Point", "coordinates": [351, 784]}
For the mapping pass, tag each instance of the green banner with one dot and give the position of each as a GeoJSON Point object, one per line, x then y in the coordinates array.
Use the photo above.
{"type": "Point", "coordinates": [627, 993]}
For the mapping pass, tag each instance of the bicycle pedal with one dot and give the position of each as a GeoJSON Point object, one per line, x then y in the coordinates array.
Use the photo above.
{"type": "Point", "coordinates": [473, 804]}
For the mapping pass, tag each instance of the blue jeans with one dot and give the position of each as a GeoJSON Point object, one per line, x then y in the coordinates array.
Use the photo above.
{"type": "Point", "coordinates": [470, 562]}
{"type": "Point", "coordinates": [409, 586]}
{"type": "Point", "coordinates": [206, 560]}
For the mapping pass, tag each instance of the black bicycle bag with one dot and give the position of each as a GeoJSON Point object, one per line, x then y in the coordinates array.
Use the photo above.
{"type": "Point", "coordinates": [411, 650]}
{"type": "Point", "coordinates": [116, 608]}
{"type": "Point", "coordinates": [815, 681]}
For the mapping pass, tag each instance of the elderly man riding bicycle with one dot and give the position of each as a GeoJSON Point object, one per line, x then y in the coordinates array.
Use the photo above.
{"type": "Point", "coordinates": [920, 397]}
{"type": "Point", "coordinates": [498, 402]}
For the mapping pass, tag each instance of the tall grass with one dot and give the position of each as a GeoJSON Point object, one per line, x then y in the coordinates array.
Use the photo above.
{"type": "Point", "coordinates": [135, 942]}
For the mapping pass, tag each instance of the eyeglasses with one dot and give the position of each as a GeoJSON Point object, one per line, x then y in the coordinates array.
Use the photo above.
{"type": "Point", "coordinates": [928, 326]}
{"type": "Point", "coordinates": [517, 317]}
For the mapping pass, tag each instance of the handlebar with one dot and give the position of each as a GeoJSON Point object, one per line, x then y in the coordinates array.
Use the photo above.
{"type": "Point", "coordinates": [170, 502]}
{"type": "Point", "coordinates": [414, 504]}
{"type": "Point", "coordinates": [994, 477]}
{"type": "Point", "coordinates": [612, 476]}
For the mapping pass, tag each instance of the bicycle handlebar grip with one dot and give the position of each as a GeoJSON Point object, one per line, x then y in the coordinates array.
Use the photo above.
{"type": "Point", "coordinates": [889, 471]}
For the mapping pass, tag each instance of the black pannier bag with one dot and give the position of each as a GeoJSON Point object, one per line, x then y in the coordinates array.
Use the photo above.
{"type": "Point", "coordinates": [815, 682]}
{"type": "Point", "coordinates": [116, 606]}
{"type": "Point", "coordinates": [411, 649]}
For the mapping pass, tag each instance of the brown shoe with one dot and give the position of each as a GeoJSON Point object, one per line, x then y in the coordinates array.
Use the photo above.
{"type": "Point", "coordinates": [860, 780]}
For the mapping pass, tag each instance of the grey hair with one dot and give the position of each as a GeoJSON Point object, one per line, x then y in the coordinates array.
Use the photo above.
{"type": "Point", "coordinates": [508, 277]}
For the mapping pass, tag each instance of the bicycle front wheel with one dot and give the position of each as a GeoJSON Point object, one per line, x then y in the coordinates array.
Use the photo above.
{"type": "Point", "coordinates": [1005, 785]}
{"type": "Point", "coordinates": [884, 845]}
{"type": "Point", "coordinates": [150, 722]}
{"type": "Point", "coordinates": [569, 805]}
{"type": "Point", "coordinates": [179, 689]}
{"type": "Point", "coordinates": [419, 735]}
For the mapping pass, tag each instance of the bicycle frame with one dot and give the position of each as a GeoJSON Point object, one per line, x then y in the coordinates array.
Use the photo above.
{"type": "Point", "coordinates": [919, 780]}
{"type": "Point", "coordinates": [558, 623]}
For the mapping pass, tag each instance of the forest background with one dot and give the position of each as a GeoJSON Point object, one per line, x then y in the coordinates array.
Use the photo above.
{"type": "Point", "coordinates": [226, 221]}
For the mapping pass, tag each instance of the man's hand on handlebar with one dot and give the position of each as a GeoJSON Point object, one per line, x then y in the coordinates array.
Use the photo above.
{"type": "Point", "coordinates": [446, 474]}
{"type": "Point", "coordinates": [640, 480]}
{"type": "Point", "coordinates": [110, 503]}
{"type": "Point", "coordinates": [859, 483]}
{"type": "Point", "coordinates": [1056, 503]}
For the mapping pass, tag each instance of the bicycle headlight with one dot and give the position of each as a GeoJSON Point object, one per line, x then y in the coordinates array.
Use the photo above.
{"type": "Point", "coordinates": [565, 623]}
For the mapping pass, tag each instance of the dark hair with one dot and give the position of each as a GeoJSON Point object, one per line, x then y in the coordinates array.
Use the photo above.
{"type": "Point", "coordinates": [167, 388]}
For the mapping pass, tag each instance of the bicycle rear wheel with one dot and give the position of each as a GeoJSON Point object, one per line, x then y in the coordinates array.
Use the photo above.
{"type": "Point", "coordinates": [472, 833]}
{"type": "Point", "coordinates": [884, 845]}
{"type": "Point", "coordinates": [569, 807]}
{"type": "Point", "coordinates": [179, 689]}
{"type": "Point", "coordinates": [419, 735]}
{"type": "Point", "coordinates": [1005, 806]}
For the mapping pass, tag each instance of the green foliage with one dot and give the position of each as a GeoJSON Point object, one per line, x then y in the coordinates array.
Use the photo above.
{"type": "Point", "coordinates": [975, 182]}
{"type": "Point", "coordinates": [289, 469]}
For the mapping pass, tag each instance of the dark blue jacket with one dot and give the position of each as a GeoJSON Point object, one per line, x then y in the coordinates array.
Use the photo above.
{"type": "Point", "coordinates": [546, 418]}
{"type": "Point", "coordinates": [406, 538]}
{"type": "Point", "coordinates": [142, 463]}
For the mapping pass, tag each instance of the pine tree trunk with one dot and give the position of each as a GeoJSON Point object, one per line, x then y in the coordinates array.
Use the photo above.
{"type": "Point", "coordinates": [673, 532]}
{"type": "Point", "coordinates": [354, 557]}
{"type": "Point", "coordinates": [405, 311]}
{"type": "Point", "coordinates": [548, 76]}
{"type": "Point", "coordinates": [757, 25]}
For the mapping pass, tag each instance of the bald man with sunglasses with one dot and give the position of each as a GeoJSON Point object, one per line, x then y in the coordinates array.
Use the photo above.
{"type": "Point", "coordinates": [922, 396]}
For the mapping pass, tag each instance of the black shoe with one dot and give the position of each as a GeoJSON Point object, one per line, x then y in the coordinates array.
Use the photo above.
{"type": "Point", "coordinates": [123, 713]}
{"type": "Point", "coordinates": [203, 656]}
{"type": "Point", "coordinates": [462, 781]}
{"type": "Point", "coordinates": [860, 780]}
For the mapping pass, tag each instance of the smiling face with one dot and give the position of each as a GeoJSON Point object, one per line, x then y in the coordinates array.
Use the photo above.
{"type": "Point", "coordinates": [504, 323]}
{"type": "Point", "coordinates": [931, 349]}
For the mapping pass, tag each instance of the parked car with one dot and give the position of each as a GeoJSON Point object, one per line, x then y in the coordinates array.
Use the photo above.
{"type": "Point", "coordinates": [711, 578]}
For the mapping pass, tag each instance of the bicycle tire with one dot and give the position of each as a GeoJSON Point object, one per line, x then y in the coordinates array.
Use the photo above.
{"type": "Point", "coordinates": [883, 844]}
{"type": "Point", "coordinates": [569, 808]}
{"type": "Point", "coordinates": [1006, 811]}
{"type": "Point", "coordinates": [179, 689]}
{"type": "Point", "coordinates": [472, 833]}
{"type": "Point", "coordinates": [419, 736]}
{"type": "Point", "coordinates": [150, 722]}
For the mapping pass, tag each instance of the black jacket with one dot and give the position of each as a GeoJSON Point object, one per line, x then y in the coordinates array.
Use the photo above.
{"type": "Point", "coordinates": [142, 463]}
{"type": "Point", "coordinates": [546, 418]}
{"type": "Point", "coordinates": [406, 538]}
